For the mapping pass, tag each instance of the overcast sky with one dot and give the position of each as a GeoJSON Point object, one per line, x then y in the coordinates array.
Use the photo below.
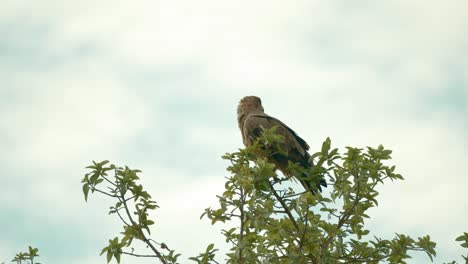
{"type": "Point", "coordinates": [155, 84]}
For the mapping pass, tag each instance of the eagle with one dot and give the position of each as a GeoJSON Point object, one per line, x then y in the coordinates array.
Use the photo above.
{"type": "Point", "coordinates": [252, 121]}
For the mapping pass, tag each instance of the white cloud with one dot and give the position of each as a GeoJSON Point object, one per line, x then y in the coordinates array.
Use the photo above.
{"type": "Point", "coordinates": [68, 113]}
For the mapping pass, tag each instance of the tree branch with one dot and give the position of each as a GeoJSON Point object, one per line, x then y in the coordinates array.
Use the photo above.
{"type": "Point", "coordinates": [138, 255]}
{"type": "Point", "coordinates": [344, 216]}
{"type": "Point", "coordinates": [242, 222]}
{"type": "Point", "coordinates": [105, 193]}
{"type": "Point", "coordinates": [285, 207]}
{"type": "Point", "coordinates": [158, 254]}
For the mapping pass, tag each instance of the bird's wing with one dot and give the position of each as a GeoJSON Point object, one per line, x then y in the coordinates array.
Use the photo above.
{"type": "Point", "coordinates": [294, 146]}
{"type": "Point", "coordinates": [252, 128]}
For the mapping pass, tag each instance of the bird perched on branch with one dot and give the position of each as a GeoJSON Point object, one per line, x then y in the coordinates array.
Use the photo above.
{"type": "Point", "coordinates": [253, 121]}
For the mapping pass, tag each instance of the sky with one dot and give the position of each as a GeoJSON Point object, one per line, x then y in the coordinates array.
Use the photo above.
{"type": "Point", "coordinates": [155, 85]}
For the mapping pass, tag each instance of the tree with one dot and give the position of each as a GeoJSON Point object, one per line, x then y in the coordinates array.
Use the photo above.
{"type": "Point", "coordinates": [132, 206]}
{"type": "Point", "coordinates": [274, 222]}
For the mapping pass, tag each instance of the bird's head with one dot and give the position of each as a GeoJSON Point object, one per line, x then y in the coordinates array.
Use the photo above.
{"type": "Point", "coordinates": [249, 104]}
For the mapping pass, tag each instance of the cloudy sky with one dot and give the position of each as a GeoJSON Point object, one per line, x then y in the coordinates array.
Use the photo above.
{"type": "Point", "coordinates": [154, 85]}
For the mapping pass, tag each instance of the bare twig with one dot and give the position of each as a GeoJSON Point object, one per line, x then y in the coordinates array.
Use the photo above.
{"type": "Point", "coordinates": [105, 193]}
{"type": "Point", "coordinates": [109, 181]}
{"type": "Point", "coordinates": [138, 255]}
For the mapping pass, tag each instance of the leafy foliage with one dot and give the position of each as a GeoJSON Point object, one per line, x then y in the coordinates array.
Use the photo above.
{"type": "Point", "coordinates": [132, 205]}
{"type": "Point", "coordinates": [277, 224]}
{"type": "Point", "coordinates": [273, 222]}
{"type": "Point", "coordinates": [27, 256]}
{"type": "Point", "coordinates": [207, 256]}
{"type": "Point", "coordinates": [464, 243]}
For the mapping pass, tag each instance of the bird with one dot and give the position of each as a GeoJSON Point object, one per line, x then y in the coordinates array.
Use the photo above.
{"type": "Point", "coordinates": [252, 121]}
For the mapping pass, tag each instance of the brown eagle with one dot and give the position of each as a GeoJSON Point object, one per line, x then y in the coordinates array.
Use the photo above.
{"type": "Point", "coordinates": [252, 121]}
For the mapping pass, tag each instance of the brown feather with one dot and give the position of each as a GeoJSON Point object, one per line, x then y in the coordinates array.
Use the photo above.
{"type": "Point", "coordinates": [252, 120]}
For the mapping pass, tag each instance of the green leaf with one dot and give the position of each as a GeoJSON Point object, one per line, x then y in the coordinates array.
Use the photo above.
{"type": "Point", "coordinates": [463, 238]}
{"type": "Point", "coordinates": [149, 222]}
{"type": "Point", "coordinates": [86, 191]}
{"type": "Point", "coordinates": [333, 153]}
{"type": "Point", "coordinates": [210, 247]}
{"type": "Point", "coordinates": [98, 181]}
{"type": "Point", "coordinates": [109, 256]}
{"type": "Point", "coordinates": [326, 147]}
{"type": "Point", "coordinates": [104, 250]}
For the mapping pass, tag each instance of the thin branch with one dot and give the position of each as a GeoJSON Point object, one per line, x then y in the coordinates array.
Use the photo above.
{"type": "Point", "coordinates": [138, 255]}
{"type": "Point", "coordinates": [285, 207]}
{"type": "Point", "coordinates": [158, 254]}
{"type": "Point", "coordinates": [279, 212]}
{"type": "Point", "coordinates": [294, 195]}
{"type": "Point", "coordinates": [242, 216]}
{"type": "Point", "coordinates": [109, 181]}
{"type": "Point", "coordinates": [121, 218]}
{"type": "Point", "coordinates": [128, 199]}
{"type": "Point", "coordinates": [162, 245]}
{"type": "Point", "coordinates": [280, 180]}
{"type": "Point", "coordinates": [337, 165]}
{"type": "Point", "coordinates": [301, 244]}
{"type": "Point", "coordinates": [103, 192]}
{"type": "Point", "coordinates": [344, 216]}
